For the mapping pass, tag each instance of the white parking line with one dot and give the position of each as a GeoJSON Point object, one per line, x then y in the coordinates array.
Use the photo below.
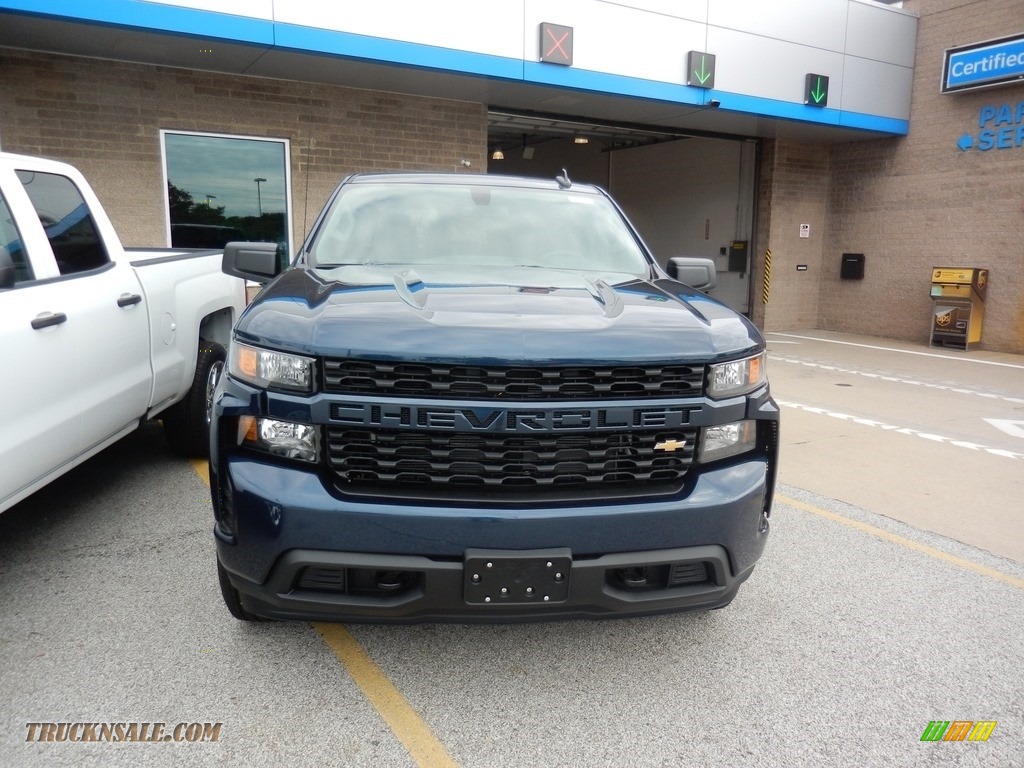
{"type": "Point", "coordinates": [898, 380]}
{"type": "Point", "coordinates": [902, 430]}
{"type": "Point", "coordinates": [1009, 426]}
{"type": "Point", "coordinates": [901, 351]}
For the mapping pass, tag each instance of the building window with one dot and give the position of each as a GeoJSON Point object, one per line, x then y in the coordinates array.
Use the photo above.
{"type": "Point", "coordinates": [223, 188]}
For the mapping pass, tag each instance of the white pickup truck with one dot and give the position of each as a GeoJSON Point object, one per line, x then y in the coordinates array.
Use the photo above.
{"type": "Point", "coordinates": [96, 338]}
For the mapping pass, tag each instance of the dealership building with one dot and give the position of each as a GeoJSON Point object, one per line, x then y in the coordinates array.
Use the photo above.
{"type": "Point", "coordinates": [849, 165]}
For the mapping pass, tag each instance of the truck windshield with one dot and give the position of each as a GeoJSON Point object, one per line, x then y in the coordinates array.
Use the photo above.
{"type": "Point", "coordinates": [469, 225]}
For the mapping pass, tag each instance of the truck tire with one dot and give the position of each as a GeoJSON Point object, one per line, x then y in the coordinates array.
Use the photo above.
{"type": "Point", "coordinates": [231, 598]}
{"type": "Point", "coordinates": [187, 423]}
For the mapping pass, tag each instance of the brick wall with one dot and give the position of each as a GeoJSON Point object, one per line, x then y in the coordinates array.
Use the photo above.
{"type": "Point", "coordinates": [792, 191]}
{"type": "Point", "coordinates": [919, 201]}
{"type": "Point", "coordinates": [105, 118]}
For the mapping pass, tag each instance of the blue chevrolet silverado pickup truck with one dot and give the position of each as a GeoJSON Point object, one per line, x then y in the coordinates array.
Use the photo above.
{"type": "Point", "coordinates": [479, 398]}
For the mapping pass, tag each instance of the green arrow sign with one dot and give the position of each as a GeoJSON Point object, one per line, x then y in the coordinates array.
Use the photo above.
{"type": "Point", "coordinates": [816, 90]}
{"type": "Point", "coordinates": [700, 69]}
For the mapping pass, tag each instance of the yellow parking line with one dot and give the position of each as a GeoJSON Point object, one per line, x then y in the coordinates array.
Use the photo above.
{"type": "Point", "coordinates": [417, 738]}
{"type": "Point", "coordinates": [421, 743]}
{"type": "Point", "coordinates": [924, 549]}
{"type": "Point", "coordinates": [202, 469]}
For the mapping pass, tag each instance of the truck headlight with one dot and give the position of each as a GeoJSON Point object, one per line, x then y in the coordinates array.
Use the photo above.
{"type": "Point", "coordinates": [724, 440]}
{"type": "Point", "coordinates": [280, 438]}
{"type": "Point", "coordinates": [268, 368]}
{"type": "Point", "coordinates": [737, 377]}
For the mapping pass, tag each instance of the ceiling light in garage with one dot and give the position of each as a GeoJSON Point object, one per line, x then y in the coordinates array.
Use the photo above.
{"type": "Point", "coordinates": [498, 155]}
{"type": "Point", "coordinates": [580, 140]}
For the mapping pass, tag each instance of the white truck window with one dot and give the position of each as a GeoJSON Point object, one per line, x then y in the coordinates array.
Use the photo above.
{"type": "Point", "coordinates": [65, 217]}
{"type": "Point", "coordinates": [10, 240]}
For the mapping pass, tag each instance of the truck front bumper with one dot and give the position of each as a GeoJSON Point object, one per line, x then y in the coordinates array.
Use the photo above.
{"type": "Point", "coordinates": [294, 550]}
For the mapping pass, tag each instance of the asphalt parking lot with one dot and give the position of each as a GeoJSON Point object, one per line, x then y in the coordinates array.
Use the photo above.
{"type": "Point", "coordinates": [891, 595]}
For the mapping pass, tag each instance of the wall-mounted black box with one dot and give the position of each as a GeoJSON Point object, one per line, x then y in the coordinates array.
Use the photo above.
{"type": "Point", "coordinates": [738, 256]}
{"type": "Point", "coordinates": [852, 266]}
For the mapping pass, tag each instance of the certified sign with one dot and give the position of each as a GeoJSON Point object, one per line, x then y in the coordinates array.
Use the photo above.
{"type": "Point", "coordinates": [981, 65]}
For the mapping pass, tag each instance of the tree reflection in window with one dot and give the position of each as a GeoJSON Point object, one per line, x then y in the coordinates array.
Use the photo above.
{"type": "Point", "coordinates": [225, 188]}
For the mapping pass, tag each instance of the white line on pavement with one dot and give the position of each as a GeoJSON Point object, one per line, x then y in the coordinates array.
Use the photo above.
{"type": "Point", "coordinates": [901, 351]}
{"type": "Point", "coordinates": [898, 380]}
{"type": "Point", "coordinates": [902, 430]}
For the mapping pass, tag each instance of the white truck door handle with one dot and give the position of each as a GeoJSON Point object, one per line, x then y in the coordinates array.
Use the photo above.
{"type": "Point", "coordinates": [129, 300]}
{"type": "Point", "coordinates": [47, 319]}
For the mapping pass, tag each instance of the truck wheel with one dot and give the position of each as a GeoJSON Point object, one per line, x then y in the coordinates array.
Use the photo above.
{"type": "Point", "coordinates": [231, 598]}
{"type": "Point", "coordinates": [187, 423]}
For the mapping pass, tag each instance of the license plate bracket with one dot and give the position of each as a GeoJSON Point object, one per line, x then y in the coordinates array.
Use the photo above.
{"type": "Point", "coordinates": [507, 577]}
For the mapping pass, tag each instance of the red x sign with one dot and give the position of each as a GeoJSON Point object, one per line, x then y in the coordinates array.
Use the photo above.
{"type": "Point", "coordinates": [556, 44]}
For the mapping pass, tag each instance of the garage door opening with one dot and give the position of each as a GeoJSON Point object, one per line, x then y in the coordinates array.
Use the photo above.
{"type": "Point", "coordinates": [687, 195]}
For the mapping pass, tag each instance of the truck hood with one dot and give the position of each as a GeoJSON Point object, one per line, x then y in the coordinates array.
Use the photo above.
{"type": "Point", "coordinates": [507, 314]}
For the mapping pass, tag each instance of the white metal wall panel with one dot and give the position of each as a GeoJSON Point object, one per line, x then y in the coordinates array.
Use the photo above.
{"type": "Point", "coordinates": [814, 23]}
{"type": "Point", "coordinates": [492, 27]}
{"type": "Point", "coordinates": [770, 68]}
{"type": "Point", "coordinates": [874, 88]}
{"type": "Point", "coordinates": [693, 10]}
{"type": "Point", "coordinates": [251, 9]}
{"type": "Point", "coordinates": [881, 34]}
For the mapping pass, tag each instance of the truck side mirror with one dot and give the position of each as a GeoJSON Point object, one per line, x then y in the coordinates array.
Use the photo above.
{"type": "Point", "coordinates": [7, 270]}
{"type": "Point", "coordinates": [697, 272]}
{"type": "Point", "coordinates": [251, 261]}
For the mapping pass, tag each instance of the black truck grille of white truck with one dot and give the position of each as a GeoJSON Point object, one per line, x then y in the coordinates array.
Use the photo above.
{"type": "Point", "coordinates": [446, 380]}
{"type": "Point", "coordinates": [474, 466]}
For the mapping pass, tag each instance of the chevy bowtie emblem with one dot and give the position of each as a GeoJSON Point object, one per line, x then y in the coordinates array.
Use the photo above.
{"type": "Point", "coordinates": [670, 445]}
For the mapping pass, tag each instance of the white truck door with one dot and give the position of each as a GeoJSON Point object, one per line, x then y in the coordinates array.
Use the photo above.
{"type": "Point", "coordinates": [40, 428]}
{"type": "Point", "coordinates": [106, 310]}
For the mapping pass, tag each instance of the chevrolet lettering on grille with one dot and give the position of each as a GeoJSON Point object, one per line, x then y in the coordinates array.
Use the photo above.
{"type": "Point", "coordinates": [507, 420]}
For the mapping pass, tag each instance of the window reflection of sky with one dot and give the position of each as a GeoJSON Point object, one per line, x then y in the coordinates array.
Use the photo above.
{"type": "Point", "coordinates": [224, 169]}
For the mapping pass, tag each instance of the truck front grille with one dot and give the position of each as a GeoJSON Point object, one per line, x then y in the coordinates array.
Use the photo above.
{"type": "Point", "coordinates": [471, 466]}
{"type": "Point", "coordinates": [453, 381]}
